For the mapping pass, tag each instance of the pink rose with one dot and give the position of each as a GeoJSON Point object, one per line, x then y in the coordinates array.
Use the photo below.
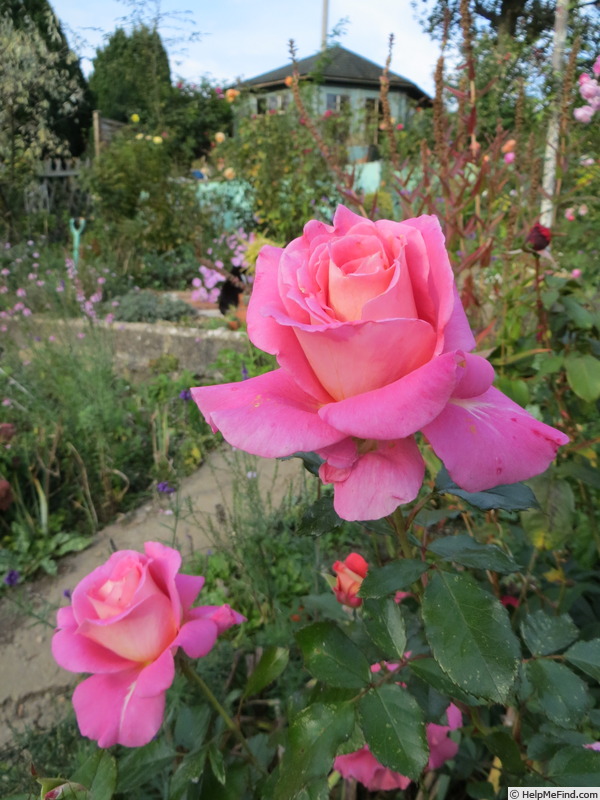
{"type": "Point", "coordinates": [372, 342]}
{"type": "Point", "coordinates": [127, 619]}
{"type": "Point", "coordinates": [365, 768]}
{"type": "Point", "coordinates": [350, 575]}
{"type": "Point", "coordinates": [583, 114]}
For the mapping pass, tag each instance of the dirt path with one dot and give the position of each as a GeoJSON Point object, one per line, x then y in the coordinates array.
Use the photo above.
{"type": "Point", "coordinates": [34, 690]}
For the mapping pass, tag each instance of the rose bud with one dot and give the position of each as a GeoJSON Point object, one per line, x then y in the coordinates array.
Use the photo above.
{"type": "Point", "coordinates": [350, 575]}
{"type": "Point", "coordinates": [538, 237]}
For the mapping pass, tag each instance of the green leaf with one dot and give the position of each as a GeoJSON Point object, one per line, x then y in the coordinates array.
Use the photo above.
{"type": "Point", "coordinates": [516, 389]}
{"type": "Point", "coordinates": [313, 739]}
{"type": "Point", "coordinates": [510, 497]}
{"type": "Point", "coordinates": [549, 526]}
{"type": "Point", "coordinates": [332, 657]}
{"type": "Point", "coordinates": [139, 765]}
{"type": "Point", "coordinates": [502, 744]}
{"type": "Point", "coordinates": [559, 693]}
{"type": "Point", "coordinates": [544, 634]}
{"type": "Point", "coordinates": [463, 549]}
{"type": "Point", "coordinates": [583, 375]}
{"type": "Point", "coordinates": [319, 518]}
{"type": "Point", "coordinates": [470, 635]}
{"type": "Point", "coordinates": [311, 461]}
{"type": "Point", "coordinates": [189, 771]}
{"type": "Point", "coordinates": [586, 657]}
{"type": "Point", "coordinates": [191, 726]}
{"type": "Point", "coordinates": [391, 578]}
{"type": "Point", "coordinates": [393, 726]}
{"type": "Point", "coordinates": [272, 663]}
{"type": "Point", "coordinates": [428, 670]}
{"type": "Point", "coordinates": [385, 626]}
{"type": "Point", "coordinates": [575, 766]}
{"type": "Point", "coordinates": [217, 763]}
{"type": "Point", "coordinates": [99, 774]}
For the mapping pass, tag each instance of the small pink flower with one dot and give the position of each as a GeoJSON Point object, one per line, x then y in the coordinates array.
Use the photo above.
{"type": "Point", "coordinates": [570, 214]}
{"type": "Point", "coordinates": [21, 293]}
{"type": "Point", "coordinates": [27, 312]}
{"type": "Point", "coordinates": [399, 127]}
{"type": "Point", "coordinates": [101, 281]}
{"type": "Point", "coordinates": [509, 157]}
{"type": "Point", "coordinates": [81, 335]}
{"type": "Point", "coordinates": [7, 402]}
{"type": "Point", "coordinates": [52, 338]}
{"type": "Point", "coordinates": [35, 255]}
{"type": "Point", "coordinates": [584, 114]}
{"type": "Point", "coordinates": [576, 273]}
{"type": "Point", "coordinates": [4, 271]}
{"type": "Point", "coordinates": [40, 283]}
{"type": "Point", "coordinates": [582, 210]}
{"type": "Point", "coordinates": [596, 67]}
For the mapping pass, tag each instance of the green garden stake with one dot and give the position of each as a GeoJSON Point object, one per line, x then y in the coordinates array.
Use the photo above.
{"type": "Point", "coordinates": [76, 231]}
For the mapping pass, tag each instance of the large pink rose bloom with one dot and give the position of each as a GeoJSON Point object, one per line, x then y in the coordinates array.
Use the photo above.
{"type": "Point", "coordinates": [127, 619]}
{"type": "Point", "coordinates": [373, 345]}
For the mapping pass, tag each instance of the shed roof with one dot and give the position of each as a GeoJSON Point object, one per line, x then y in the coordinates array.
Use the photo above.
{"type": "Point", "coordinates": [338, 66]}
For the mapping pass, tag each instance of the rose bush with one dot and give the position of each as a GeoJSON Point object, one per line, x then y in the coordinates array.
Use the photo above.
{"type": "Point", "coordinates": [126, 620]}
{"type": "Point", "coordinates": [373, 345]}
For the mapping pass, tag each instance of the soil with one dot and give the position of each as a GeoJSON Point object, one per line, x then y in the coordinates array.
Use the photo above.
{"type": "Point", "coordinates": [34, 690]}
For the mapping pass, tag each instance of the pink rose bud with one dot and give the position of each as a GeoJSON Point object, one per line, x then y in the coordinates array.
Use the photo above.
{"type": "Point", "coordinates": [570, 214]}
{"type": "Point", "coordinates": [127, 619]}
{"type": "Point", "coordinates": [350, 575]}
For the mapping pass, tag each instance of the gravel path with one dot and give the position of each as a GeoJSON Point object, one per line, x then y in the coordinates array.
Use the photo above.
{"type": "Point", "coordinates": [34, 690]}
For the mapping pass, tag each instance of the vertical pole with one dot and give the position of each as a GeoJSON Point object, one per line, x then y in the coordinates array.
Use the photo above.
{"type": "Point", "coordinates": [324, 23]}
{"type": "Point", "coordinates": [552, 139]}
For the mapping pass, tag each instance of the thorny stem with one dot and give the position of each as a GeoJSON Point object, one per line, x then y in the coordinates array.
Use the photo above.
{"type": "Point", "coordinates": [193, 677]}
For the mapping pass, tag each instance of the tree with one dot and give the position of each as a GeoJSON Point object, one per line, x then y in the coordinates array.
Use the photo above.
{"type": "Point", "coordinates": [132, 76]}
{"type": "Point", "coordinates": [32, 84]}
{"type": "Point", "coordinates": [73, 127]}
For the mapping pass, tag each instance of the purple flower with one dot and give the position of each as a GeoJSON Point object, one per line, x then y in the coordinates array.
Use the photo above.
{"type": "Point", "coordinates": [165, 488]}
{"type": "Point", "coordinates": [67, 593]}
{"type": "Point", "coordinates": [185, 394]}
{"type": "Point", "coordinates": [12, 577]}
{"type": "Point", "coordinates": [245, 375]}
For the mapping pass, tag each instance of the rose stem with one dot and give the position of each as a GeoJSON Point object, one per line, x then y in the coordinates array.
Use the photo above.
{"type": "Point", "coordinates": [193, 676]}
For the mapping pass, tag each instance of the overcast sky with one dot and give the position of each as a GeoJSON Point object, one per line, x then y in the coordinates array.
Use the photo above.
{"type": "Point", "coordinates": [244, 38]}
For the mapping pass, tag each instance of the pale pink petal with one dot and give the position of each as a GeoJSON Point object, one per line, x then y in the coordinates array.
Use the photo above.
{"type": "Point", "coordinates": [188, 587]}
{"type": "Point", "coordinates": [357, 357]}
{"type": "Point", "coordinates": [489, 440]}
{"type": "Point", "coordinates": [82, 607]}
{"type": "Point", "coordinates": [109, 710]}
{"type": "Point", "coordinates": [164, 567]}
{"type": "Point", "coordinates": [197, 637]}
{"type": "Point", "coordinates": [399, 409]}
{"type": "Point", "coordinates": [79, 654]}
{"type": "Point", "coordinates": [475, 378]}
{"type": "Point", "coordinates": [65, 618]}
{"type": "Point", "coordinates": [378, 482]}
{"type": "Point", "coordinates": [268, 415]}
{"type": "Point", "coordinates": [341, 455]}
{"type": "Point", "coordinates": [345, 220]}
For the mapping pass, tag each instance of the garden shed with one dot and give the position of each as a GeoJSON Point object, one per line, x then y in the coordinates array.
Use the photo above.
{"type": "Point", "coordinates": [343, 82]}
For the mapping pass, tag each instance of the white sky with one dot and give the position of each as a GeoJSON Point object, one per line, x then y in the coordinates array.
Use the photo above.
{"type": "Point", "coordinates": [244, 38]}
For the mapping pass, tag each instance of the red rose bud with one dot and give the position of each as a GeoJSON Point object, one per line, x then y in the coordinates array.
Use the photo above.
{"type": "Point", "coordinates": [538, 237]}
{"type": "Point", "coordinates": [350, 575]}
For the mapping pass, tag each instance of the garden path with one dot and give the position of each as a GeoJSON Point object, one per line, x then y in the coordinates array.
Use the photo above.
{"type": "Point", "coordinates": [34, 690]}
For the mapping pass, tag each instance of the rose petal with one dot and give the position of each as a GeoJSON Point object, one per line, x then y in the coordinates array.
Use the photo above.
{"type": "Point", "coordinates": [268, 415]}
{"type": "Point", "coordinates": [364, 767]}
{"type": "Point", "coordinates": [79, 654]}
{"type": "Point", "coordinates": [126, 708]}
{"type": "Point", "coordinates": [188, 588]}
{"type": "Point", "coordinates": [399, 409]}
{"type": "Point", "coordinates": [489, 440]}
{"type": "Point", "coordinates": [378, 482]}
{"type": "Point", "coordinates": [197, 637]}
{"type": "Point", "coordinates": [357, 357]}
